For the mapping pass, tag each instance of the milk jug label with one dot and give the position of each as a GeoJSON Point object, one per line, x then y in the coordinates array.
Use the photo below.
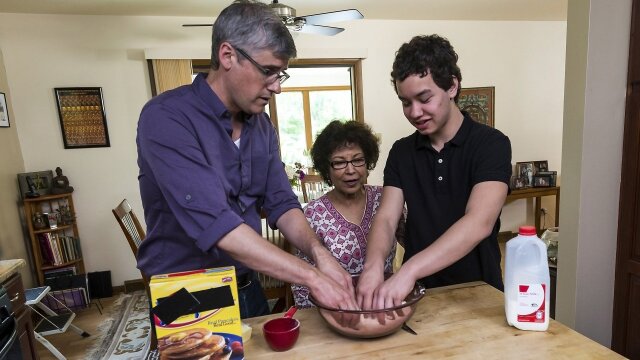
{"type": "Point", "coordinates": [531, 303]}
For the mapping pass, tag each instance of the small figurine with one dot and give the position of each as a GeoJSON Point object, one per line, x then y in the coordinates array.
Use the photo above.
{"type": "Point", "coordinates": [32, 193]}
{"type": "Point", "coordinates": [60, 183]}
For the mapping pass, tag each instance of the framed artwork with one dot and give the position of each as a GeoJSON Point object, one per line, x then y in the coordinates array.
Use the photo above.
{"type": "Point", "coordinates": [479, 103]}
{"type": "Point", "coordinates": [4, 111]}
{"type": "Point", "coordinates": [82, 117]}
{"type": "Point", "coordinates": [525, 171]}
{"type": "Point", "coordinates": [40, 180]}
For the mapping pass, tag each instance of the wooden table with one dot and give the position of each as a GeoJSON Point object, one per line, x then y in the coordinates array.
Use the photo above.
{"type": "Point", "coordinates": [537, 193]}
{"type": "Point", "coordinates": [456, 322]}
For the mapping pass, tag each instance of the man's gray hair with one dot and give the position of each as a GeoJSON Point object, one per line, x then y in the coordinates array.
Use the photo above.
{"type": "Point", "coordinates": [251, 25]}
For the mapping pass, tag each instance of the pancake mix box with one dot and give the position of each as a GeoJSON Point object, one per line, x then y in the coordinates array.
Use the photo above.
{"type": "Point", "coordinates": [196, 315]}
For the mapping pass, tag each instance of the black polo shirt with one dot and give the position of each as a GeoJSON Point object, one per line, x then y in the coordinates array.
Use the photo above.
{"type": "Point", "coordinates": [436, 187]}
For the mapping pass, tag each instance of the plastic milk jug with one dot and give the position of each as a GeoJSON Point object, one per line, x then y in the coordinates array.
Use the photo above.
{"type": "Point", "coordinates": [526, 285]}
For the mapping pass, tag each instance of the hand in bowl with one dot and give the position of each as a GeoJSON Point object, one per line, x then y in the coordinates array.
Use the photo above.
{"type": "Point", "coordinates": [372, 323]}
{"type": "Point", "coordinates": [327, 291]}
{"type": "Point", "coordinates": [393, 291]}
{"type": "Point", "coordinates": [368, 282]}
{"type": "Point", "coordinates": [329, 266]}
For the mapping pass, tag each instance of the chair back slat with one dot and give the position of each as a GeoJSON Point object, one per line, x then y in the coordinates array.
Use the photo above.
{"type": "Point", "coordinates": [313, 186]}
{"type": "Point", "coordinates": [130, 225]}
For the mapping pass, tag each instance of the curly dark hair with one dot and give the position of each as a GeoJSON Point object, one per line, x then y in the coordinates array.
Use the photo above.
{"type": "Point", "coordinates": [424, 55]}
{"type": "Point", "coordinates": [339, 134]}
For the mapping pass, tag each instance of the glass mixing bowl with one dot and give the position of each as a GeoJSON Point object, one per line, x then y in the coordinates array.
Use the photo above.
{"type": "Point", "coordinates": [370, 323]}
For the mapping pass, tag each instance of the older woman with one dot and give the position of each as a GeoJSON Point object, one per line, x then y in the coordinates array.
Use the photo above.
{"type": "Point", "coordinates": [343, 154]}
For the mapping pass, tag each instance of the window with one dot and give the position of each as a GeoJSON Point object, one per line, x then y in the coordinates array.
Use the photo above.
{"type": "Point", "coordinates": [318, 92]}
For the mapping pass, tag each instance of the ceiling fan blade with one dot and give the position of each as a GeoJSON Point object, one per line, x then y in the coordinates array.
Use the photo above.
{"type": "Point", "coordinates": [193, 25]}
{"type": "Point", "coordinates": [333, 16]}
{"type": "Point", "coordinates": [320, 30]}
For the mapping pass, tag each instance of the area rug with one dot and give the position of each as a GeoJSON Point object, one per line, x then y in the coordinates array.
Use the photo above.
{"type": "Point", "coordinates": [125, 334]}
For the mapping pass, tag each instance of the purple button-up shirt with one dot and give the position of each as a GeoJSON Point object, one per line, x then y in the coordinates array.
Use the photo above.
{"type": "Point", "coordinates": [197, 185]}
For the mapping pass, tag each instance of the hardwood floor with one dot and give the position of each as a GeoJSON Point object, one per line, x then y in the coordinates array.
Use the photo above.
{"type": "Point", "coordinates": [71, 344]}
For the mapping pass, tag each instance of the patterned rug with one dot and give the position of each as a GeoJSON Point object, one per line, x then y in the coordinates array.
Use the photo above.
{"type": "Point", "coordinates": [126, 332]}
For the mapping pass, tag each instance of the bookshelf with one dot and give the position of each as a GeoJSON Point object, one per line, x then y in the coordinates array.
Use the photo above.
{"type": "Point", "coordinates": [53, 232]}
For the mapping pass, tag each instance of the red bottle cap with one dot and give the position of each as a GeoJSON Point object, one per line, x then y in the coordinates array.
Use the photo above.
{"type": "Point", "coordinates": [527, 230]}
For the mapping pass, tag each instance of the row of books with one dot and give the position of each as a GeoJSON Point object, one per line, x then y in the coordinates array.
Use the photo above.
{"type": "Point", "coordinates": [58, 249]}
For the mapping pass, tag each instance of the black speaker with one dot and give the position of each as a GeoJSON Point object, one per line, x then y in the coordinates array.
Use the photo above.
{"type": "Point", "coordinates": [100, 284]}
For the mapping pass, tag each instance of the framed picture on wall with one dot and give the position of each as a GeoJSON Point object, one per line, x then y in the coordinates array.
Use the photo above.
{"type": "Point", "coordinates": [479, 103]}
{"type": "Point", "coordinates": [82, 118]}
{"type": "Point", "coordinates": [4, 111]}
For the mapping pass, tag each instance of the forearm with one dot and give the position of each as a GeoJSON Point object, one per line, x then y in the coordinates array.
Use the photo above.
{"type": "Point", "coordinates": [297, 231]}
{"type": "Point", "coordinates": [245, 245]}
{"type": "Point", "coordinates": [483, 209]}
{"type": "Point", "coordinates": [385, 223]}
{"type": "Point", "coordinates": [379, 244]}
{"type": "Point", "coordinates": [454, 244]}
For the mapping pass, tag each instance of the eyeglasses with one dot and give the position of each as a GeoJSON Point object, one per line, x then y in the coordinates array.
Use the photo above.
{"type": "Point", "coordinates": [342, 164]}
{"type": "Point", "coordinates": [270, 74]}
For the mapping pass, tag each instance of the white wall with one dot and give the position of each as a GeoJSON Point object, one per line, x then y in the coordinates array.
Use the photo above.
{"type": "Point", "coordinates": [523, 60]}
{"type": "Point", "coordinates": [11, 162]}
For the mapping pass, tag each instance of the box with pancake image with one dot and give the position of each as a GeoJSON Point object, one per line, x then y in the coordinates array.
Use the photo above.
{"type": "Point", "coordinates": [196, 315]}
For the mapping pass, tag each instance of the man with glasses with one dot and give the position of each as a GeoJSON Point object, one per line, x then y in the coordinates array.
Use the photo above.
{"type": "Point", "coordinates": [209, 164]}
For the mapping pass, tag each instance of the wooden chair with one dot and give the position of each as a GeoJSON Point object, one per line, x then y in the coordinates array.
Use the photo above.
{"type": "Point", "coordinates": [275, 289]}
{"type": "Point", "coordinates": [130, 225]}
{"type": "Point", "coordinates": [313, 186]}
{"type": "Point", "coordinates": [134, 233]}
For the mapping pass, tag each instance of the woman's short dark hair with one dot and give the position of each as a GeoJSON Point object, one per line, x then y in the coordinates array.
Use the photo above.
{"type": "Point", "coordinates": [251, 25]}
{"type": "Point", "coordinates": [339, 134]}
{"type": "Point", "coordinates": [425, 55]}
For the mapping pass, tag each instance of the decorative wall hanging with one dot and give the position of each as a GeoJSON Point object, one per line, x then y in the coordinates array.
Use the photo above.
{"type": "Point", "coordinates": [479, 103]}
{"type": "Point", "coordinates": [82, 117]}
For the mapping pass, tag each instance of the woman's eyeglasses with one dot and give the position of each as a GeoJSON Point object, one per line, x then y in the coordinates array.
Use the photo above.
{"type": "Point", "coordinates": [342, 164]}
{"type": "Point", "coordinates": [270, 74]}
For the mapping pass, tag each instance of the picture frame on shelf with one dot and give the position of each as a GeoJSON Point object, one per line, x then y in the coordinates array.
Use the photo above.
{"type": "Point", "coordinates": [479, 102]}
{"type": "Point", "coordinates": [517, 182]}
{"type": "Point", "coordinates": [540, 166]}
{"type": "Point", "coordinates": [541, 181]}
{"type": "Point", "coordinates": [552, 176]}
{"type": "Point", "coordinates": [82, 117]}
{"type": "Point", "coordinates": [4, 111]}
{"type": "Point", "coordinates": [525, 169]}
{"type": "Point", "coordinates": [42, 181]}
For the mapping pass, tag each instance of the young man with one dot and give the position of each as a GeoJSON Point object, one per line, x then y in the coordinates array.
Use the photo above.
{"type": "Point", "coordinates": [452, 172]}
{"type": "Point", "coordinates": [209, 162]}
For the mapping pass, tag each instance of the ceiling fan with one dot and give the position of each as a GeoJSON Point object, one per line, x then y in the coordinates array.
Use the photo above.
{"type": "Point", "coordinates": [310, 24]}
